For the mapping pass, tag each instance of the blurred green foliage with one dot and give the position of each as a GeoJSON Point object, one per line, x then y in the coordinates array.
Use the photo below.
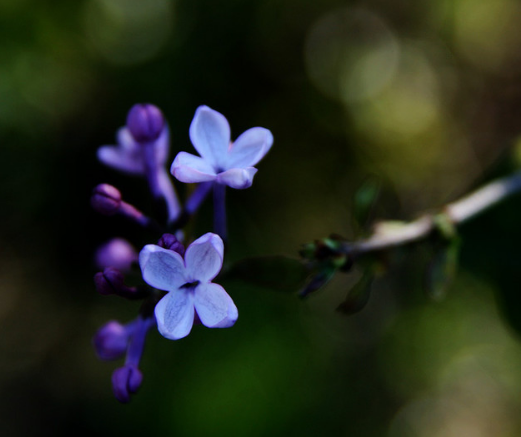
{"type": "Point", "coordinates": [423, 94]}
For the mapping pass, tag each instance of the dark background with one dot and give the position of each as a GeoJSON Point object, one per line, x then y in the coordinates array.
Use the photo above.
{"type": "Point", "coordinates": [423, 95]}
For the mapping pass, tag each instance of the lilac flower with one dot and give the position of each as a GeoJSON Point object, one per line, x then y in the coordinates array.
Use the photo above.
{"type": "Point", "coordinates": [111, 340]}
{"type": "Point", "coordinates": [126, 380]}
{"type": "Point", "coordinates": [142, 149]}
{"type": "Point", "coordinates": [188, 282]}
{"type": "Point", "coordinates": [221, 161]}
{"type": "Point", "coordinates": [128, 154]}
{"type": "Point", "coordinates": [117, 253]}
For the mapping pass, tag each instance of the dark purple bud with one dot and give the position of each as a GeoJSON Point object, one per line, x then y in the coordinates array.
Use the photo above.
{"type": "Point", "coordinates": [111, 341]}
{"type": "Point", "coordinates": [112, 281]}
{"type": "Point", "coordinates": [109, 281]}
{"type": "Point", "coordinates": [125, 381]}
{"type": "Point", "coordinates": [106, 199]}
{"type": "Point", "coordinates": [117, 253]}
{"type": "Point", "coordinates": [145, 122]}
{"type": "Point", "coordinates": [170, 242]}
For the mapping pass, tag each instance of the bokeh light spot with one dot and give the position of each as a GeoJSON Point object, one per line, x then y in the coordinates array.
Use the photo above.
{"type": "Point", "coordinates": [351, 54]}
{"type": "Point", "coordinates": [128, 31]}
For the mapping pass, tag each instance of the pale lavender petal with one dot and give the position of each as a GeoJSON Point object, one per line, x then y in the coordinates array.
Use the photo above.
{"type": "Point", "coordinates": [239, 178]}
{"type": "Point", "coordinates": [169, 194]}
{"type": "Point", "coordinates": [163, 269]}
{"type": "Point", "coordinates": [214, 306]}
{"type": "Point", "coordinates": [129, 161]}
{"type": "Point", "coordinates": [204, 258]}
{"type": "Point", "coordinates": [175, 314]}
{"type": "Point", "coordinates": [189, 168]}
{"type": "Point", "coordinates": [126, 156]}
{"type": "Point", "coordinates": [162, 146]}
{"type": "Point", "coordinates": [125, 139]}
{"type": "Point", "coordinates": [249, 148]}
{"type": "Point", "coordinates": [210, 135]}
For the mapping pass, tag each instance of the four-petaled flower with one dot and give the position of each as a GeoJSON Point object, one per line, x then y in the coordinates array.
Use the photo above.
{"type": "Point", "coordinates": [221, 161]}
{"type": "Point", "coordinates": [189, 286]}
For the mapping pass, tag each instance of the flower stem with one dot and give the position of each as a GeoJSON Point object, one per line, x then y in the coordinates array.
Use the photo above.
{"type": "Point", "coordinates": [137, 341]}
{"type": "Point", "coordinates": [457, 212]}
{"type": "Point", "coordinates": [197, 197]}
{"type": "Point", "coordinates": [219, 209]}
{"type": "Point", "coordinates": [192, 205]}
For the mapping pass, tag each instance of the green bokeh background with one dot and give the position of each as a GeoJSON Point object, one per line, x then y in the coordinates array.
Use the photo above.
{"type": "Point", "coordinates": [424, 95]}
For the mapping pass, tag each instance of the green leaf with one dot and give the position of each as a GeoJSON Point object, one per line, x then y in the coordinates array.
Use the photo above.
{"type": "Point", "coordinates": [445, 226]}
{"type": "Point", "coordinates": [320, 279]}
{"type": "Point", "coordinates": [442, 269]}
{"type": "Point", "coordinates": [277, 272]}
{"type": "Point", "coordinates": [358, 296]}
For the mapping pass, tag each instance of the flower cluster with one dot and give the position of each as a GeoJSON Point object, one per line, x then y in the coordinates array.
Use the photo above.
{"type": "Point", "coordinates": [176, 283]}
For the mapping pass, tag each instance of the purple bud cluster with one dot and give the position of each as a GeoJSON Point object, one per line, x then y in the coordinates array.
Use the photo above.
{"type": "Point", "coordinates": [174, 280]}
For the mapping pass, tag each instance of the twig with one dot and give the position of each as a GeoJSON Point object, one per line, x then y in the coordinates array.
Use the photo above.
{"type": "Point", "coordinates": [392, 234]}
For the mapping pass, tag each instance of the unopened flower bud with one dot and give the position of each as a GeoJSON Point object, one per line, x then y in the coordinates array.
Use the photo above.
{"type": "Point", "coordinates": [106, 199]}
{"type": "Point", "coordinates": [170, 242]}
{"type": "Point", "coordinates": [125, 381]}
{"type": "Point", "coordinates": [112, 281]}
{"type": "Point", "coordinates": [109, 281]}
{"type": "Point", "coordinates": [145, 122]}
{"type": "Point", "coordinates": [111, 341]}
{"type": "Point", "coordinates": [117, 253]}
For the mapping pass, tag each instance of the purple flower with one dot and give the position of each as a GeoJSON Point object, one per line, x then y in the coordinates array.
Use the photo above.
{"type": "Point", "coordinates": [145, 122]}
{"type": "Point", "coordinates": [128, 154]}
{"type": "Point", "coordinates": [221, 161]}
{"type": "Point", "coordinates": [188, 282]}
{"type": "Point", "coordinates": [111, 340]}
{"type": "Point", "coordinates": [142, 150]}
{"type": "Point", "coordinates": [125, 381]}
{"type": "Point", "coordinates": [117, 253]}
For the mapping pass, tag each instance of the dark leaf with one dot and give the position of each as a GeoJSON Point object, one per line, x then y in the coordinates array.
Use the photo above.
{"type": "Point", "coordinates": [319, 280]}
{"type": "Point", "coordinates": [358, 296]}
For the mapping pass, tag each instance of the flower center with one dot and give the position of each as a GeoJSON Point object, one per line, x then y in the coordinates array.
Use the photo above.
{"type": "Point", "coordinates": [190, 285]}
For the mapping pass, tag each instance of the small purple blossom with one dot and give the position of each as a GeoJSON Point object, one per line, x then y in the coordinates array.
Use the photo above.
{"type": "Point", "coordinates": [125, 381]}
{"type": "Point", "coordinates": [117, 253]}
{"type": "Point", "coordinates": [111, 340]}
{"type": "Point", "coordinates": [145, 122]}
{"type": "Point", "coordinates": [142, 149]}
{"type": "Point", "coordinates": [170, 242]}
{"type": "Point", "coordinates": [112, 281]}
{"type": "Point", "coordinates": [128, 155]}
{"type": "Point", "coordinates": [188, 282]}
{"type": "Point", "coordinates": [221, 161]}
{"type": "Point", "coordinates": [106, 199]}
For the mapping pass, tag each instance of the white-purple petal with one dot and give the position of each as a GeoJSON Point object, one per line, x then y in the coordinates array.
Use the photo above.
{"type": "Point", "coordinates": [214, 306]}
{"type": "Point", "coordinates": [175, 314]}
{"type": "Point", "coordinates": [162, 146]}
{"type": "Point", "coordinates": [210, 135]}
{"type": "Point", "coordinates": [189, 169]}
{"type": "Point", "coordinates": [126, 160]}
{"type": "Point", "coordinates": [249, 148]}
{"type": "Point", "coordinates": [204, 258]}
{"type": "Point", "coordinates": [239, 178]}
{"type": "Point", "coordinates": [169, 194]}
{"type": "Point", "coordinates": [161, 268]}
